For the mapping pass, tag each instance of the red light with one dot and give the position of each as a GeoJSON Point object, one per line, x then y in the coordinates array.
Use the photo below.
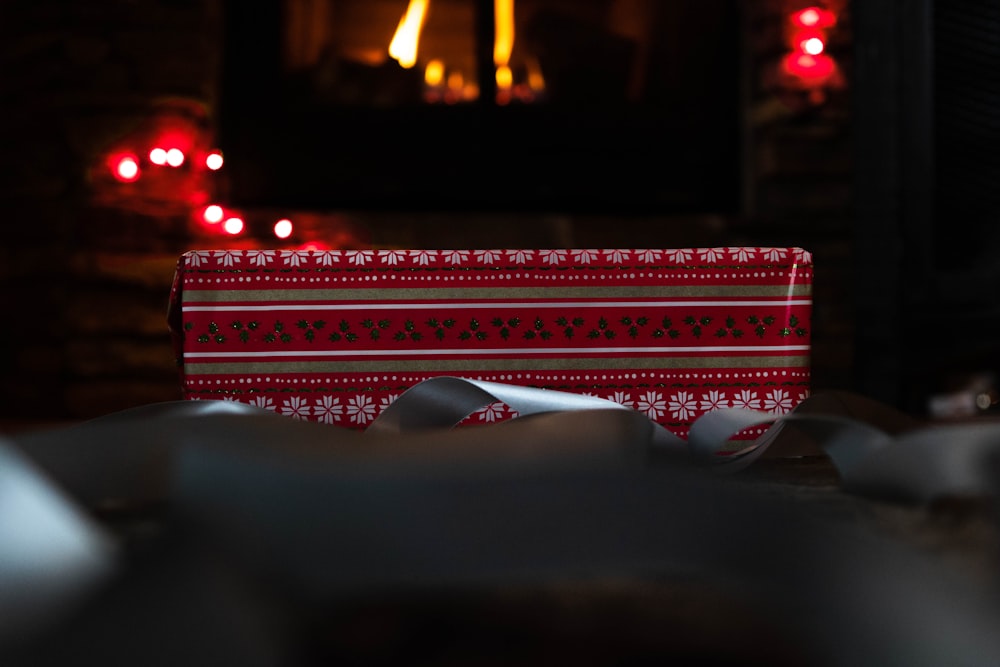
{"type": "Point", "coordinates": [811, 69]}
{"type": "Point", "coordinates": [214, 160]}
{"type": "Point", "coordinates": [233, 226]}
{"type": "Point", "coordinates": [283, 228]}
{"type": "Point", "coordinates": [812, 46]}
{"type": "Point", "coordinates": [175, 157]}
{"type": "Point", "coordinates": [126, 168]}
{"type": "Point", "coordinates": [814, 17]}
{"type": "Point", "coordinates": [158, 156]}
{"type": "Point", "coordinates": [213, 214]}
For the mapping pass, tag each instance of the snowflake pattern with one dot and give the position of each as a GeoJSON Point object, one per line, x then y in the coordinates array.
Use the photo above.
{"type": "Point", "coordinates": [682, 405]}
{"type": "Point", "coordinates": [359, 257]}
{"type": "Point", "coordinates": [739, 254]}
{"type": "Point", "coordinates": [777, 402]}
{"type": "Point", "coordinates": [424, 257]}
{"type": "Point", "coordinates": [227, 257]}
{"type": "Point", "coordinates": [328, 409]}
{"type": "Point", "coordinates": [651, 404]}
{"type": "Point", "coordinates": [295, 407]}
{"type": "Point", "coordinates": [520, 256]}
{"type": "Point", "coordinates": [713, 400]}
{"type": "Point", "coordinates": [552, 257]}
{"type": "Point", "coordinates": [648, 256]}
{"type": "Point", "coordinates": [491, 413]}
{"type": "Point", "coordinates": [544, 257]}
{"type": "Point", "coordinates": [455, 257]}
{"type": "Point", "coordinates": [360, 409]}
{"type": "Point", "coordinates": [263, 402]}
{"type": "Point", "coordinates": [772, 254]}
{"type": "Point", "coordinates": [711, 255]}
{"type": "Point", "coordinates": [391, 257]}
{"type": "Point", "coordinates": [294, 258]}
{"type": "Point", "coordinates": [679, 256]}
{"type": "Point", "coordinates": [747, 400]}
{"type": "Point", "coordinates": [616, 255]}
{"type": "Point", "coordinates": [260, 257]}
{"type": "Point", "coordinates": [622, 397]}
{"type": "Point", "coordinates": [326, 258]}
{"type": "Point", "coordinates": [488, 256]}
{"type": "Point", "coordinates": [386, 401]}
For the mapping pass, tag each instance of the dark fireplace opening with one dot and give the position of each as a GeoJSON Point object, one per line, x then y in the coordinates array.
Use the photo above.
{"type": "Point", "coordinates": [609, 107]}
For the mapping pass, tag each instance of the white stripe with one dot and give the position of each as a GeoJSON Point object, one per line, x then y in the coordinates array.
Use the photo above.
{"type": "Point", "coordinates": [575, 351]}
{"type": "Point", "coordinates": [493, 304]}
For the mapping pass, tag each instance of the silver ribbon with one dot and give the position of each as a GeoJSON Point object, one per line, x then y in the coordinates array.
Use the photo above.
{"type": "Point", "coordinates": [161, 451]}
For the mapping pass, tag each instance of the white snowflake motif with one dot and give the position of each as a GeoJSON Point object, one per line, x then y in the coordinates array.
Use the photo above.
{"type": "Point", "coordinates": [230, 398]}
{"type": "Point", "coordinates": [455, 257]}
{"type": "Point", "coordinates": [198, 257]}
{"type": "Point", "coordinates": [294, 258]}
{"type": "Point", "coordinates": [713, 400]}
{"type": "Point", "coordinates": [623, 398]}
{"type": "Point", "coordinates": [391, 257]}
{"type": "Point", "coordinates": [648, 255]}
{"type": "Point", "coordinates": [552, 256]}
{"type": "Point", "coordinates": [263, 402]}
{"type": "Point", "coordinates": [711, 255]}
{"type": "Point", "coordinates": [741, 255]}
{"type": "Point", "coordinates": [772, 254]}
{"type": "Point", "coordinates": [682, 405]}
{"type": "Point", "coordinates": [679, 256]}
{"type": "Point", "coordinates": [802, 256]}
{"type": "Point", "coordinates": [652, 404]}
{"type": "Point", "coordinates": [491, 413]}
{"type": "Point", "coordinates": [803, 395]}
{"type": "Point", "coordinates": [328, 409]}
{"type": "Point", "coordinates": [386, 401]}
{"type": "Point", "coordinates": [520, 256]}
{"type": "Point", "coordinates": [228, 257]}
{"type": "Point", "coordinates": [424, 257]}
{"type": "Point", "coordinates": [585, 256]}
{"type": "Point", "coordinates": [360, 409]}
{"type": "Point", "coordinates": [488, 256]}
{"type": "Point", "coordinates": [295, 407]}
{"type": "Point", "coordinates": [326, 257]}
{"type": "Point", "coordinates": [617, 255]}
{"type": "Point", "coordinates": [359, 257]}
{"type": "Point", "coordinates": [747, 400]}
{"type": "Point", "coordinates": [260, 257]}
{"type": "Point", "coordinates": [778, 402]}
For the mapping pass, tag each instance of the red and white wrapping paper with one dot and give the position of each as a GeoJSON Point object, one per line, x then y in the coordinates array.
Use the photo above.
{"type": "Point", "coordinates": [336, 336]}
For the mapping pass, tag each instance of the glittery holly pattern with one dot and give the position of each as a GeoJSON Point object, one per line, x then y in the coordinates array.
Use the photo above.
{"type": "Point", "coordinates": [336, 336]}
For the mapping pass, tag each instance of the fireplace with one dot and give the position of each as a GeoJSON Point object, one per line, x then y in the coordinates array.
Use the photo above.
{"type": "Point", "coordinates": [611, 106]}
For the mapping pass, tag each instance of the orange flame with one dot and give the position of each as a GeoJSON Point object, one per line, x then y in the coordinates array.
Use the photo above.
{"type": "Point", "coordinates": [403, 46]}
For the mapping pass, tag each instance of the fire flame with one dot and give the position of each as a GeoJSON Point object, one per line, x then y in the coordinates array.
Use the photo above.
{"type": "Point", "coordinates": [403, 46]}
{"type": "Point", "coordinates": [503, 42]}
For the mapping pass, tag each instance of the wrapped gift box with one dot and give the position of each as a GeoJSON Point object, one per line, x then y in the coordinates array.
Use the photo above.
{"type": "Point", "coordinates": [335, 336]}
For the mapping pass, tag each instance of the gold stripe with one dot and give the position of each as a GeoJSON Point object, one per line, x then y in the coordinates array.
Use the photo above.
{"type": "Point", "coordinates": [445, 365]}
{"type": "Point", "coordinates": [479, 293]}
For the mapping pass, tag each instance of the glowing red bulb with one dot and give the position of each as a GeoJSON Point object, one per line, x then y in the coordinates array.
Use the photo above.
{"type": "Point", "coordinates": [126, 168]}
{"type": "Point", "coordinates": [233, 225]}
{"type": "Point", "coordinates": [813, 46]}
{"type": "Point", "coordinates": [283, 228]}
{"type": "Point", "coordinates": [814, 17]}
{"type": "Point", "coordinates": [214, 160]}
{"type": "Point", "coordinates": [213, 214]}
{"type": "Point", "coordinates": [175, 157]}
{"type": "Point", "coordinates": [158, 156]}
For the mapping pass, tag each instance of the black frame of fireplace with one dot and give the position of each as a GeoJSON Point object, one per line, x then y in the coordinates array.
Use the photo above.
{"type": "Point", "coordinates": [675, 156]}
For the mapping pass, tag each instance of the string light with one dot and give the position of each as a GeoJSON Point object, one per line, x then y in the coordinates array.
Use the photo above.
{"type": "Point", "coordinates": [126, 168]}
{"type": "Point", "coordinates": [283, 228]}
